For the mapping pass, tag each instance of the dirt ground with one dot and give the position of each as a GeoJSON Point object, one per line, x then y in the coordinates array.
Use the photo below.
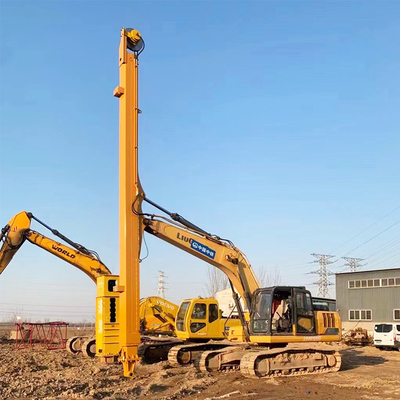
{"type": "Point", "coordinates": [366, 373]}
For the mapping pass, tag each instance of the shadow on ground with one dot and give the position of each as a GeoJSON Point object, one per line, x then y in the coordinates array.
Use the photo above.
{"type": "Point", "coordinates": [352, 358]}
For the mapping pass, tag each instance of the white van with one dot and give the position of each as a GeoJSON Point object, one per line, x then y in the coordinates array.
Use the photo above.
{"type": "Point", "coordinates": [387, 335]}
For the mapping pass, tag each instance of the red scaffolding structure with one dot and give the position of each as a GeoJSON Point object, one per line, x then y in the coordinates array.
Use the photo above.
{"type": "Point", "coordinates": [50, 335]}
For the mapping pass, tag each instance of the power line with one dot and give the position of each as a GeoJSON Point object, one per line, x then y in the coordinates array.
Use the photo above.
{"type": "Point", "coordinates": [387, 248]}
{"type": "Point", "coordinates": [393, 265]}
{"type": "Point", "coordinates": [365, 229]}
{"type": "Point", "coordinates": [387, 258]}
{"type": "Point", "coordinates": [367, 241]}
{"type": "Point", "coordinates": [383, 246]}
{"type": "Point", "coordinates": [384, 255]}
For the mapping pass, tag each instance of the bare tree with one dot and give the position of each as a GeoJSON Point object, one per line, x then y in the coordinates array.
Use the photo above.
{"type": "Point", "coordinates": [269, 278]}
{"type": "Point", "coordinates": [262, 276]}
{"type": "Point", "coordinates": [216, 281]}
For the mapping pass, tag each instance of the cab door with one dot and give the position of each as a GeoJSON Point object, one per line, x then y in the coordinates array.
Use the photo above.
{"type": "Point", "coordinates": [197, 322]}
{"type": "Point", "coordinates": [215, 326]}
{"type": "Point", "coordinates": [303, 313]}
{"type": "Point", "coordinates": [204, 321]}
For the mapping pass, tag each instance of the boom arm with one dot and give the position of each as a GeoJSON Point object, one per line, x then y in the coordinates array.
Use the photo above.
{"type": "Point", "coordinates": [157, 314]}
{"type": "Point", "coordinates": [18, 230]}
{"type": "Point", "coordinates": [217, 252]}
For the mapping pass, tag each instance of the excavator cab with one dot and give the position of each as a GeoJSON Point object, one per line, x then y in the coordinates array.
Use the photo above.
{"type": "Point", "coordinates": [201, 320]}
{"type": "Point", "coordinates": [282, 311]}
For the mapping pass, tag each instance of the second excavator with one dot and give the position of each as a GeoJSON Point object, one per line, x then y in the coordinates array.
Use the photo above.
{"type": "Point", "coordinates": [17, 231]}
{"type": "Point", "coordinates": [157, 315]}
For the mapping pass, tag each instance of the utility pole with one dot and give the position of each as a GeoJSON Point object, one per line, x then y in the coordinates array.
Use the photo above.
{"type": "Point", "coordinates": [353, 263]}
{"type": "Point", "coordinates": [161, 284]}
{"type": "Point", "coordinates": [323, 282]}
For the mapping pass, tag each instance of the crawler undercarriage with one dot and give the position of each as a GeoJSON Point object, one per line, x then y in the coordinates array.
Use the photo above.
{"type": "Point", "coordinates": [258, 361]}
{"type": "Point", "coordinates": [252, 361]}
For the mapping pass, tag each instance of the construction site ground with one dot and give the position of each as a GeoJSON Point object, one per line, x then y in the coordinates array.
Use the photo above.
{"type": "Point", "coordinates": [366, 373]}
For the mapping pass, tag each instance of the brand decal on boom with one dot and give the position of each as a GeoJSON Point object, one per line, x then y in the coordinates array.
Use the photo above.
{"type": "Point", "coordinates": [62, 251]}
{"type": "Point", "coordinates": [201, 248]}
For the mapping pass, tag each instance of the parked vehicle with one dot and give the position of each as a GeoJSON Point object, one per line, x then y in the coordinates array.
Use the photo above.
{"type": "Point", "coordinates": [387, 336]}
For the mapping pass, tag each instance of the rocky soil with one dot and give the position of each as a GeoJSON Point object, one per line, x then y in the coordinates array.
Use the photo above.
{"type": "Point", "coordinates": [367, 373]}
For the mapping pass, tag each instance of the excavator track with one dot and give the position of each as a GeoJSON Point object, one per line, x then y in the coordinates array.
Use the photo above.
{"type": "Point", "coordinates": [210, 361]}
{"type": "Point", "coordinates": [153, 350]}
{"type": "Point", "coordinates": [258, 362]}
{"type": "Point", "coordinates": [290, 361]}
{"type": "Point", "coordinates": [186, 354]}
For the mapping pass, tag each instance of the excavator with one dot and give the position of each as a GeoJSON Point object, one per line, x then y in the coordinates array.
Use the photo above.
{"type": "Point", "coordinates": [282, 333]}
{"type": "Point", "coordinates": [199, 320]}
{"type": "Point", "coordinates": [17, 231]}
{"type": "Point", "coordinates": [157, 315]}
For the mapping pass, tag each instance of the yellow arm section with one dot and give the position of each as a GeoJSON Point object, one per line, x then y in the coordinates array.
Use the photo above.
{"type": "Point", "coordinates": [222, 255]}
{"type": "Point", "coordinates": [18, 230]}
{"type": "Point", "coordinates": [13, 236]}
{"type": "Point", "coordinates": [130, 192]}
{"type": "Point", "coordinates": [157, 314]}
{"type": "Point", "coordinates": [90, 265]}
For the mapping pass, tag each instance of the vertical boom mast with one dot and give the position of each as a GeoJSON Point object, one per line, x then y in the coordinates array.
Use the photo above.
{"type": "Point", "coordinates": [130, 193]}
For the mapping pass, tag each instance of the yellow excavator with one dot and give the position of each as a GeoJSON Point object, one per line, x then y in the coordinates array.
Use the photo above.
{"type": "Point", "coordinates": [157, 315]}
{"type": "Point", "coordinates": [205, 326]}
{"type": "Point", "coordinates": [14, 234]}
{"type": "Point", "coordinates": [282, 333]}
{"type": "Point", "coordinates": [199, 320]}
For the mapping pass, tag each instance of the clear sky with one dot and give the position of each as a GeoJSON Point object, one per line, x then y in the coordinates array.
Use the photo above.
{"type": "Point", "coordinates": [272, 123]}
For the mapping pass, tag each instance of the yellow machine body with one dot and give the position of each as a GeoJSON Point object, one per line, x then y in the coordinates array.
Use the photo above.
{"type": "Point", "coordinates": [324, 322]}
{"type": "Point", "coordinates": [17, 231]}
{"type": "Point", "coordinates": [107, 316]}
{"type": "Point", "coordinates": [120, 303]}
{"type": "Point", "coordinates": [130, 200]}
{"type": "Point", "coordinates": [157, 315]}
{"type": "Point", "coordinates": [200, 319]}
{"type": "Point", "coordinates": [13, 237]}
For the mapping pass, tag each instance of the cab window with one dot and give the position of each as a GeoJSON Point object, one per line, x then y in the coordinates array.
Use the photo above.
{"type": "Point", "coordinates": [180, 318]}
{"type": "Point", "coordinates": [212, 313]}
{"type": "Point", "coordinates": [199, 311]}
{"type": "Point", "coordinates": [261, 316]}
{"type": "Point", "coordinates": [304, 304]}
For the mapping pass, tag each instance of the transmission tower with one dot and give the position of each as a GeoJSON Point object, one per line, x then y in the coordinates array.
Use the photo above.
{"type": "Point", "coordinates": [323, 282]}
{"type": "Point", "coordinates": [353, 263]}
{"type": "Point", "coordinates": [161, 284]}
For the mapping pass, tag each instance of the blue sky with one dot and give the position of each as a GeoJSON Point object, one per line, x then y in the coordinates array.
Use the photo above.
{"type": "Point", "coordinates": [274, 124]}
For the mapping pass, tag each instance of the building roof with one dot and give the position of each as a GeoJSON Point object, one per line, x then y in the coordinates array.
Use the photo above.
{"type": "Point", "coordinates": [369, 270]}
